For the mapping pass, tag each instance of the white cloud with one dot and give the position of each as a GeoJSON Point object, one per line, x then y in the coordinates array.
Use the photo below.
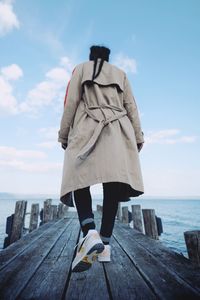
{"type": "Point", "coordinates": [49, 136]}
{"type": "Point", "coordinates": [12, 72]}
{"type": "Point", "coordinates": [48, 144]}
{"type": "Point", "coordinates": [8, 103]}
{"type": "Point", "coordinates": [51, 90]}
{"type": "Point", "coordinates": [65, 62]}
{"type": "Point", "coordinates": [26, 160]}
{"type": "Point", "coordinates": [168, 136]}
{"type": "Point", "coordinates": [42, 95]}
{"type": "Point", "coordinates": [31, 167]}
{"type": "Point", "coordinates": [14, 153]}
{"type": "Point", "coordinates": [8, 19]}
{"type": "Point", "coordinates": [49, 133]}
{"type": "Point", "coordinates": [59, 76]}
{"type": "Point", "coordinates": [125, 63]}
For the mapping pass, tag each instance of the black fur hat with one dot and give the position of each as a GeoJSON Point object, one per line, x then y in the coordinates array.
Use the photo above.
{"type": "Point", "coordinates": [98, 52]}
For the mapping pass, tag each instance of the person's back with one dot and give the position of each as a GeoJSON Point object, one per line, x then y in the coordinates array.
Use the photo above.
{"type": "Point", "coordinates": [101, 134]}
{"type": "Point", "coordinates": [107, 88]}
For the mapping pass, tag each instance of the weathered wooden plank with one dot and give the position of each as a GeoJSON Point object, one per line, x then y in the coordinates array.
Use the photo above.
{"type": "Point", "coordinates": [34, 217]}
{"type": "Point", "coordinates": [165, 282]}
{"type": "Point", "coordinates": [90, 284]}
{"type": "Point", "coordinates": [192, 240]}
{"type": "Point", "coordinates": [10, 253]}
{"type": "Point", "coordinates": [50, 279]}
{"type": "Point", "coordinates": [176, 262]}
{"type": "Point", "coordinates": [150, 225]}
{"type": "Point", "coordinates": [139, 264]}
{"type": "Point", "coordinates": [123, 279]}
{"type": "Point", "coordinates": [12, 279]}
{"type": "Point", "coordinates": [137, 217]}
{"type": "Point", "coordinates": [18, 222]}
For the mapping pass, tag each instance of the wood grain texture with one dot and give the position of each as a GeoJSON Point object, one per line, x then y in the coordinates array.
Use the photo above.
{"type": "Point", "coordinates": [150, 225]}
{"type": "Point", "coordinates": [155, 271]}
{"type": "Point", "coordinates": [192, 240]}
{"type": "Point", "coordinates": [39, 267]}
{"type": "Point", "coordinates": [89, 284]}
{"type": "Point", "coordinates": [18, 272]}
{"type": "Point", "coordinates": [18, 222]}
{"type": "Point", "coordinates": [50, 279]}
{"type": "Point", "coordinates": [137, 217]}
{"type": "Point", "coordinates": [34, 217]}
{"type": "Point", "coordinates": [123, 279]}
{"type": "Point", "coordinates": [125, 214]}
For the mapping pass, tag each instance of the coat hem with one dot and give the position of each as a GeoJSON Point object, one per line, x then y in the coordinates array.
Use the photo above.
{"type": "Point", "coordinates": [125, 188]}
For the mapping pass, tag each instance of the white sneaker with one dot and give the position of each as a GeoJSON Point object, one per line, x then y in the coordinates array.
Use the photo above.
{"type": "Point", "coordinates": [87, 250]}
{"type": "Point", "coordinates": [105, 255]}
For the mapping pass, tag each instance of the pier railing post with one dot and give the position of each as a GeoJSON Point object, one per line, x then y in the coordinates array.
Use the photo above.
{"type": "Point", "coordinates": [192, 240]}
{"type": "Point", "coordinates": [34, 217]}
{"type": "Point", "coordinates": [18, 221]}
{"type": "Point", "coordinates": [137, 217]}
{"type": "Point", "coordinates": [150, 224]}
{"type": "Point", "coordinates": [125, 218]}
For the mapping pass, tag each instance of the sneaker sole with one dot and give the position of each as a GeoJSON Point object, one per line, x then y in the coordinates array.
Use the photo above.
{"type": "Point", "coordinates": [89, 258]}
{"type": "Point", "coordinates": [108, 260]}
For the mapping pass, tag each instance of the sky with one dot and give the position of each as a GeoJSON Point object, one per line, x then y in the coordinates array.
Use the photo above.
{"type": "Point", "coordinates": [155, 42]}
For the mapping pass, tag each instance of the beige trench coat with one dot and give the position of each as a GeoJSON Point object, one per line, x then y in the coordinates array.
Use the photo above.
{"type": "Point", "coordinates": [101, 126]}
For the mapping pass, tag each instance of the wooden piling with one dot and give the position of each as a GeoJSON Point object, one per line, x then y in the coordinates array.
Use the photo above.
{"type": "Point", "coordinates": [48, 211]}
{"type": "Point", "coordinates": [62, 211]}
{"type": "Point", "coordinates": [150, 225]}
{"type": "Point", "coordinates": [125, 218]}
{"type": "Point", "coordinates": [40, 267]}
{"type": "Point", "coordinates": [34, 217]}
{"type": "Point", "coordinates": [99, 208]}
{"type": "Point", "coordinates": [18, 221]}
{"type": "Point", "coordinates": [54, 212]}
{"type": "Point", "coordinates": [119, 211]}
{"type": "Point", "coordinates": [192, 240]}
{"type": "Point", "coordinates": [137, 217]}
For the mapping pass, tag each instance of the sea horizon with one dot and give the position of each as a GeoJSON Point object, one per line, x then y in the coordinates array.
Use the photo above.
{"type": "Point", "coordinates": [9, 195]}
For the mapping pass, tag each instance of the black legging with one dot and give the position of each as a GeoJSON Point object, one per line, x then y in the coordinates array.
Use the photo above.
{"type": "Point", "coordinates": [83, 203]}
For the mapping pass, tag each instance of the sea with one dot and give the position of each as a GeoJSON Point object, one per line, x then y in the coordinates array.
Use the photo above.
{"type": "Point", "coordinates": [177, 215]}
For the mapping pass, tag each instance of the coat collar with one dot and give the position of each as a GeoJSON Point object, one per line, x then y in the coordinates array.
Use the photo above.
{"type": "Point", "coordinates": [109, 74]}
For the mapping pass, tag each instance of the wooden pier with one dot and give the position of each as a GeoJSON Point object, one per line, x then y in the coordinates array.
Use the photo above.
{"type": "Point", "coordinates": [38, 266]}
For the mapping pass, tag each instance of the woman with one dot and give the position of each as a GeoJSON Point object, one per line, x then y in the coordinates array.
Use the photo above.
{"type": "Point", "coordinates": [101, 133]}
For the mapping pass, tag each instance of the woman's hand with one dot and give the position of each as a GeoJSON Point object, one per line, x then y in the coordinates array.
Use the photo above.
{"type": "Point", "coordinates": [139, 146]}
{"type": "Point", "coordinates": [64, 145]}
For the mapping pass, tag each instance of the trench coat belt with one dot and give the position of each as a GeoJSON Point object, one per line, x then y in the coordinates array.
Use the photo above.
{"type": "Point", "coordinates": [85, 151]}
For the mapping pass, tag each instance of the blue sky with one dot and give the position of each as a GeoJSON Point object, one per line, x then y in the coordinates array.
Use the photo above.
{"type": "Point", "coordinates": [155, 42]}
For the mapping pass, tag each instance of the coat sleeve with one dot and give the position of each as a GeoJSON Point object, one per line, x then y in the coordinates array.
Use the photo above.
{"type": "Point", "coordinates": [72, 99]}
{"type": "Point", "coordinates": [132, 111]}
